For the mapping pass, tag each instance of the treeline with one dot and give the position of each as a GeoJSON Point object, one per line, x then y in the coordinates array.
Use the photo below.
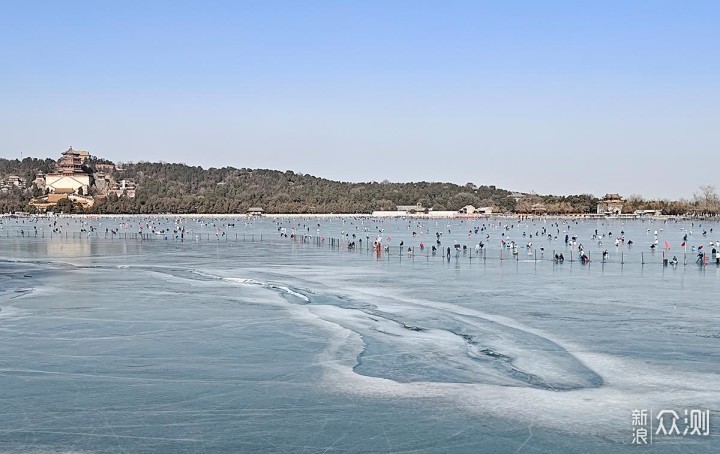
{"type": "Point", "coordinates": [552, 204]}
{"type": "Point", "coordinates": [27, 168]}
{"type": "Point", "coordinates": [179, 188]}
{"type": "Point", "coordinates": [705, 202]}
{"type": "Point", "coordinates": [14, 198]}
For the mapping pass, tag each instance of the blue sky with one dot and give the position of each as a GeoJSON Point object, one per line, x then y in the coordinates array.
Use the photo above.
{"type": "Point", "coordinates": [552, 97]}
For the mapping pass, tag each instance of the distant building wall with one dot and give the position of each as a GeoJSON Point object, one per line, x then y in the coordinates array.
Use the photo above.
{"type": "Point", "coordinates": [609, 207]}
{"type": "Point", "coordinates": [54, 181]}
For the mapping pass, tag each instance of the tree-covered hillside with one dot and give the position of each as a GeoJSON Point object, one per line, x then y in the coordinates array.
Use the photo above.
{"type": "Point", "coordinates": [16, 198]}
{"type": "Point", "coordinates": [179, 188]}
{"type": "Point", "coordinates": [185, 189]}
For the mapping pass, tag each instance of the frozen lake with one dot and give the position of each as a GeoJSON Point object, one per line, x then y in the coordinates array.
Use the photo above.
{"type": "Point", "coordinates": [240, 339]}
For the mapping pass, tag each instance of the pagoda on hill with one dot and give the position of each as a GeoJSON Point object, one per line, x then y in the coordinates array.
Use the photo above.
{"type": "Point", "coordinates": [72, 161]}
{"type": "Point", "coordinates": [70, 173]}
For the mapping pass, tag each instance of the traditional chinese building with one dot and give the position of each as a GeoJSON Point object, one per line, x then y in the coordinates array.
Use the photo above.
{"type": "Point", "coordinates": [39, 180]}
{"type": "Point", "coordinates": [538, 208]}
{"type": "Point", "coordinates": [412, 209]}
{"type": "Point", "coordinates": [15, 180]}
{"type": "Point", "coordinates": [467, 209]}
{"type": "Point", "coordinates": [610, 205]}
{"type": "Point", "coordinates": [124, 188]}
{"type": "Point", "coordinates": [107, 168]}
{"type": "Point", "coordinates": [69, 173]}
{"type": "Point", "coordinates": [72, 161]}
{"type": "Point", "coordinates": [471, 210]}
{"type": "Point", "coordinates": [103, 183]}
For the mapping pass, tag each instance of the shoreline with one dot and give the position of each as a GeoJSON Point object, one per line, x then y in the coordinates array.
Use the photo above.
{"type": "Point", "coordinates": [583, 216]}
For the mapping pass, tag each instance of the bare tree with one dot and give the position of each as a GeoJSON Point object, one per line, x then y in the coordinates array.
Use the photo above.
{"type": "Point", "coordinates": [633, 202]}
{"type": "Point", "coordinates": [707, 200]}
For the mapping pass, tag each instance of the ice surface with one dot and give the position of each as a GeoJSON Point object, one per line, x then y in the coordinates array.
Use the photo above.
{"type": "Point", "coordinates": [220, 344]}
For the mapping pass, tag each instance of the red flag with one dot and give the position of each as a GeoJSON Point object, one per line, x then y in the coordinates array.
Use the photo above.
{"type": "Point", "coordinates": [683, 244]}
{"type": "Point", "coordinates": [667, 245]}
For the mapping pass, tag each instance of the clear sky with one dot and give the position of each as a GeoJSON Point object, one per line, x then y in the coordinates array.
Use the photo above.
{"type": "Point", "coordinates": [545, 96]}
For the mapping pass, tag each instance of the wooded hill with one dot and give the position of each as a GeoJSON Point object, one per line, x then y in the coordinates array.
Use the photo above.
{"type": "Point", "coordinates": [179, 188]}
